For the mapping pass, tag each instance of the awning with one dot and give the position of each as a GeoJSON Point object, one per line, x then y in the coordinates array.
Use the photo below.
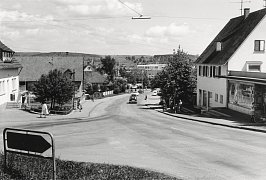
{"type": "Point", "coordinates": [247, 79]}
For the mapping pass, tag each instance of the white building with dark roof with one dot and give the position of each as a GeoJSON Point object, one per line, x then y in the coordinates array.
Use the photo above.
{"type": "Point", "coordinates": [232, 69]}
{"type": "Point", "coordinates": [9, 76]}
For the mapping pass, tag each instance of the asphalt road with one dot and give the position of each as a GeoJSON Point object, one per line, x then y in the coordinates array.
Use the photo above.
{"type": "Point", "coordinates": [131, 134]}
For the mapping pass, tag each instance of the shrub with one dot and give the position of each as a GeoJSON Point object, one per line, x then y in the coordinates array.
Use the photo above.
{"type": "Point", "coordinates": [117, 91]}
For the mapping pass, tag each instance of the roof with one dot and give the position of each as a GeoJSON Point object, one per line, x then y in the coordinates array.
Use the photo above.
{"type": "Point", "coordinates": [231, 37]}
{"type": "Point", "coordinates": [94, 77]}
{"type": "Point", "coordinates": [5, 48]}
{"type": "Point", "coordinates": [35, 66]}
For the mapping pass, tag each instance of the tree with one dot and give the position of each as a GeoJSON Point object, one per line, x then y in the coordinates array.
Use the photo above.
{"type": "Point", "coordinates": [54, 87]}
{"type": "Point", "coordinates": [177, 80]}
{"type": "Point", "coordinates": [108, 67]}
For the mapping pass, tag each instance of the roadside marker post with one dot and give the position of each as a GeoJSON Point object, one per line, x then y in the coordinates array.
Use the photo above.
{"type": "Point", "coordinates": [29, 143]}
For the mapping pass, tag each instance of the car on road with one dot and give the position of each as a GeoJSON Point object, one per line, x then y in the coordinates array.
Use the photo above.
{"type": "Point", "coordinates": [133, 99]}
{"type": "Point", "coordinates": [136, 93]}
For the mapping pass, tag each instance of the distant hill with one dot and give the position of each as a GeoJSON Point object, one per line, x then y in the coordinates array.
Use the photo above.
{"type": "Point", "coordinates": [56, 54]}
{"type": "Point", "coordinates": [127, 61]}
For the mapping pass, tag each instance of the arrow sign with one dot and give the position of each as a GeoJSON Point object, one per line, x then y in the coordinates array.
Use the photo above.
{"type": "Point", "coordinates": [27, 142]}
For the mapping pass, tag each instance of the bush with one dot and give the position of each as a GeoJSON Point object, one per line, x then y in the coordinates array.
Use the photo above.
{"type": "Point", "coordinates": [117, 91]}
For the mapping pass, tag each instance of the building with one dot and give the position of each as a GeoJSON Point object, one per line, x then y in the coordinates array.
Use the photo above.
{"type": "Point", "coordinates": [9, 76]}
{"type": "Point", "coordinates": [232, 69]}
{"type": "Point", "coordinates": [151, 69]}
{"type": "Point", "coordinates": [76, 66]}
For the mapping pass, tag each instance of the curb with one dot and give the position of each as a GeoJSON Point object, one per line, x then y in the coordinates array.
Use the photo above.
{"type": "Point", "coordinates": [214, 123]}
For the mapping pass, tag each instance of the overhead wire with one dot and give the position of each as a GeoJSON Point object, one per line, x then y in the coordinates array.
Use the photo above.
{"type": "Point", "coordinates": [130, 8]}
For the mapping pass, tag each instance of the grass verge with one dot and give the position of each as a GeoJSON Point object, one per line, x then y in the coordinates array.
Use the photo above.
{"type": "Point", "coordinates": [31, 168]}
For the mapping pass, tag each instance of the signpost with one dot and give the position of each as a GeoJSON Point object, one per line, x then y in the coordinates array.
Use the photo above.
{"type": "Point", "coordinates": [30, 143]}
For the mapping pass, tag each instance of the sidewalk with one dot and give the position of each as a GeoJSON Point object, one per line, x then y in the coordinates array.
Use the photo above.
{"type": "Point", "coordinates": [15, 117]}
{"type": "Point", "coordinates": [220, 116]}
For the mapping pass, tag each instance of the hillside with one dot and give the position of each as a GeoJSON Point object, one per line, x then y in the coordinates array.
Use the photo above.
{"type": "Point", "coordinates": [127, 61]}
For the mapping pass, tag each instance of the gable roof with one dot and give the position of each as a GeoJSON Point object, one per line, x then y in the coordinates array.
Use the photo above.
{"type": "Point", "coordinates": [3, 47]}
{"type": "Point", "coordinates": [35, 66]}
{"type": "Point", "coordinates": [94, 77]}
{"type": "Point", "coordinates": [231, 36]}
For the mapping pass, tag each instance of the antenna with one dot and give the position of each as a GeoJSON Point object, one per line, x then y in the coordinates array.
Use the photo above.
{"type": "Point", "coordinates": [241, 5]}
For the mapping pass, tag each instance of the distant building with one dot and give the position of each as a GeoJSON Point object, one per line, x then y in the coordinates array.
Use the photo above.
{"type": "Point", "coordinates": [151, 69]}
{"type": "Point", "coordinates": [232, 69]}
{"type": "Point", "coordinates": [9, 76]}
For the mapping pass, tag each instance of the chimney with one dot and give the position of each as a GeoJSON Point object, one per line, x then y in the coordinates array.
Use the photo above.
{"type": "Point", "coordinates": [246, 12]}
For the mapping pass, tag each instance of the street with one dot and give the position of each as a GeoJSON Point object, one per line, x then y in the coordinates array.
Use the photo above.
{"type": "Point", "coordinates": [130, 134]}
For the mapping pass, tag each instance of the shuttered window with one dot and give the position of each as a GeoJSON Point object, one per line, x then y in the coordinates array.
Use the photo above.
{"type": "Point", "coordinates": [259, 45]}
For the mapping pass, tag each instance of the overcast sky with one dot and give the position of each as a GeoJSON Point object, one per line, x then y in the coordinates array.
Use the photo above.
{"type": "Point", "coordinates": [105, 26]}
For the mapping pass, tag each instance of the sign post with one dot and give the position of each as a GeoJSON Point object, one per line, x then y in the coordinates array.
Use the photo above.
{"type": "Point", "coordinates": [30, 143]}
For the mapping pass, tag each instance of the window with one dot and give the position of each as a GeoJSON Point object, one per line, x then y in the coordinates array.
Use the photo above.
{"type": "Point", "coordinates": [200, 70]}
{"type": "Point", "coordinates": [207, 71]}
{"type": "Point", "coordinates": [254, 68]}
{"type": "Point", "coordinates": [210, 94]}
{"type": "Point", "coordinates": [2, 87]}
{"type": "Point", "coordinates": [211, 71]}
{"type": "Point", "coordinates": [219, 71]}
{"type": "Point", "coordinates": [216, 97]}
{"type": "Point", "coordinates": [14, 84]}
{"type": "Point", "coordinates": [221, 99]}
{"type": "Point", "coordinates": [259, 45]}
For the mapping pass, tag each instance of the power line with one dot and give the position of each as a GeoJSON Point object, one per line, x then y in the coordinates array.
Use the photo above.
{"type": "Point", "coordinates": [130, 8]}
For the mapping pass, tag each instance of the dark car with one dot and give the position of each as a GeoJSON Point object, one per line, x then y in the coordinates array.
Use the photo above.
{"type": "Point", "coordinates": [133, 98]}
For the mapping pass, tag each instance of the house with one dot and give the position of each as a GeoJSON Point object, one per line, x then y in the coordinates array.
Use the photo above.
{"type": "Point", "coordinates": [71, 64]}
{"type": "Point", "coordinates": [232, 69]}
{"type": "Point", "coordinates": [9, 76]}
{"type": "Point", "coordinates": [91, 76]}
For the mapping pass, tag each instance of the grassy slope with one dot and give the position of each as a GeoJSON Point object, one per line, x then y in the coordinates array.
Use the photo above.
{"type": "Point", "coordinates": [32, 168]}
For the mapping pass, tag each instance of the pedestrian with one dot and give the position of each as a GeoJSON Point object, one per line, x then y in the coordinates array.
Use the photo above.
{"type": "Point", "coordinates": [92, 97]}
{"type": "Point", "coordinates": [44, 110]}
{"type": "Point", "coordinates": [146, 97]}
{"type": "Point", "coordinates": [180, 105]}
{"type": "Point", "coordinates": [79, 105]}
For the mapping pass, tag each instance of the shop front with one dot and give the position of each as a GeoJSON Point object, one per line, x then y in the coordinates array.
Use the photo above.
{"type": "Point", "coordinates": [247, 97]}
{"type": "Point", "coordinates": [241, 96]}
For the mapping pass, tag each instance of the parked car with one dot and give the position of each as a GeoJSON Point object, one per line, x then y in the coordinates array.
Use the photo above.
{"type": "Point", "coordinates": [133, 98]}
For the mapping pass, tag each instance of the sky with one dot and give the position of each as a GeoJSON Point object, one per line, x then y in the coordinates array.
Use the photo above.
{"type": "Point", "coordinates": [106, 27]}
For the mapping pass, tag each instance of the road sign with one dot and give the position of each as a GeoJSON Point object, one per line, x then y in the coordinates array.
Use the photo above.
{"type": "Point", "coordinates": [27, 142]}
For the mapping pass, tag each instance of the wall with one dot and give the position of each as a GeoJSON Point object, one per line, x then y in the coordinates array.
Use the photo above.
{"type": "Point", "coordinates": [246, 51]}
{"type": "Point", "coordinates": [8, 86]}
{"type": "Point", "coordinates": [214, 85]}
{"type": "Point", "coordinates": [5, 73]}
